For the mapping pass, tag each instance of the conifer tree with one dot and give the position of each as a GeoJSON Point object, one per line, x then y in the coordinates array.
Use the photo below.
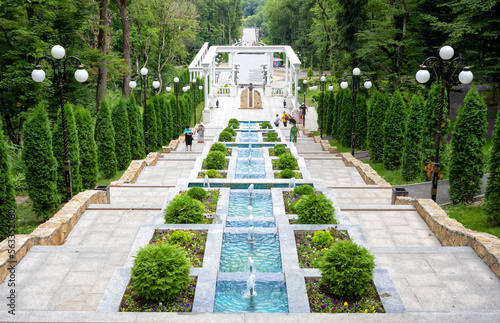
{"type": "Point", "coordinates": [467, 160]}
{"type": "Point", "coordinates": [152, 126]}
{"type": "Point", "coordinates": [135, 129]}
{"type": "Point", "coordinates": [169, 120]}
{"type": "Point", "coordinates": [336, 114]}
{"type": "Point", "coordinates": [183, 114]}
{"type": "Point", "coordinates": [73, 151]}
{"type": "Point", "coordinates": [331, 114]}
{"type": "Point", "coordinates": [164, 121]}
{"type": "Point", "coordinates": [394, 132]}
{"type": "Point", "coordinates": [8, 204]}
{"type": "Point", "coordinates": [159, 125]}
{"type": "Point", "coordinates": [361, 122]}
{"type": "Point", "coordinates": [492, 195]}
{"type": "Point", "coordinates": [88, 152]}
{"type": "Point", "coordinates": [173, 106]}
{"type": "Point", "coordinates": [429, 123]}
{"type": "Point", "coordinates": [346, 119]}
{"type": "Point", "coordinates": [122, 135]}
{"type": "Point", "coordinates": [379, 104]}
{"type": "Point", "coordinates": [106, 157]}
{"type": "Point", "coordinates": [40, 166]}
{"type": "Point", "coordinates": [412, 144]}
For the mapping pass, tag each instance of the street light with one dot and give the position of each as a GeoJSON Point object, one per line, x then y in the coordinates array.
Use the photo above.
{"type": "Point", "coordinates": [264, 72]}
{"type": "Point", "coordinates": [61, 77]}
{"type": "Point", "coordinates": [444, 70]}
{"type": "Point", "coordinates": [303, 110]}
{"type": "Point", "coordinates": [322, 82]}
{"type": "Point", "coordinates": [356, 80]}
{"type": "Point", "coordinates": [177, 85]}
{"type": "Point", "coordinates": [236, 72]}
{"type": "Point", "coordinates": [143, 76]}
{"type": "Point", "coordinates": [194, 97]}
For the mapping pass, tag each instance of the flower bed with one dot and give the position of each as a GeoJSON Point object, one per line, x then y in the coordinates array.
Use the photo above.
{"type": "Point", "coordinates": [289, 198]}
{"type": "Point", "coordinates": [210, 201]}
{"type": "Point", "coordinates": [307, 253]}
{"type": "Point", "coordinates": [219, 175]}
{"type": "Point", "coordinates": [297, 175]}
{"type": "Point", "coordinates": [195, 250]}
{"type": "Point", "coordinates": [322, 301]}
{"type": "Point", "coordinates": [271, 151]}
{"type": "Point", "coordinates": [226, 165]}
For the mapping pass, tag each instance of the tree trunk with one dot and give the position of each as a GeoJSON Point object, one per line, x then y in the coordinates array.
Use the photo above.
{"type": "Point", "coordinates": [102, 45]}
{"type": "Point", "coordinates": [122, 5]}
{"type": "Point", "coordinates": [230, 35]}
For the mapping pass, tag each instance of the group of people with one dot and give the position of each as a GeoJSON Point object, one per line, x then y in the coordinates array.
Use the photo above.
{"type": "Point", "coordinates": [188, 134]}
{"type": "Point", "coordinates": [285, 118]}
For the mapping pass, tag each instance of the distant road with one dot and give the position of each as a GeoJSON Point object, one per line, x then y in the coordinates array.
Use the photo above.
{"type": "Point", "coordinates": [249, 36]}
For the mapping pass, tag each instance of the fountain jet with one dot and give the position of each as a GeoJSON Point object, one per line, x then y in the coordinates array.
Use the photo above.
{"type": "Point", "coordinates": [250, 235]}
{"type": "Point", "coordinates": [250, 264]}
{"type": "Point", "coordinates": [251, 286]}
{"type": "Point", "coordinates": [292, 183]}
{"type": "Point", "coordinates": [206, 182]}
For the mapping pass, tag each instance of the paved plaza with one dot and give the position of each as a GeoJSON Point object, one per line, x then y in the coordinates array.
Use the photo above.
{"type": "Point", "coordinates": [435, 283]}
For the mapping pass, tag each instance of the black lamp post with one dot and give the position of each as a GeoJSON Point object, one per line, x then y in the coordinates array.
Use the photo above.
{"type": "Point", "coordinates": [61, 77]}
{"type": "Point", "coordinates": [177, 85]}
{"type": "Point", "coordinates": [445, 69]}
{"type": "Point", "coordinates": [303, 110]}
{"type": "Point", "coordinates": [143, 76]}
{"type": "Point", "coordinates": [322, 82]}
{"type": "Point", "coordinates": [356, 80]}
{"type": "Point", "coordinates": [194, 97]}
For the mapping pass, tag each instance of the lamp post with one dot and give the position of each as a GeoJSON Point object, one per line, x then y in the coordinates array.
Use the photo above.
{"type": "Point", "coordinates": [143, 76]}
{"type": "Point", "coordinates": [60, 76]}
{"type": "Point", "coordinates": [303, 110]}
{"type": "Point", "coordinates": [264, 72]}
{"type": "Point", "coordinates": [236, 72]}
{"type": "Point", "coordinates": [322, 82]}
{"type": "Point", "coordinates": [445, 69]}
{"type": "Point", "coordinates": [356, 80]}
{"type": "Point", "coordinates": [177, 85]}
{"type": "Point", "coordinates": [194, 97]}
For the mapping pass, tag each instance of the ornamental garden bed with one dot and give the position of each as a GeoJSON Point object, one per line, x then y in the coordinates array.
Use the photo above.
{"type": "Point", "coordinates": [297, 175]}
{"type": "Point", "coordinates": [210, 201]}
{"type": "Point", "coordinates": [271, 151]}
{"type": "Point", "coordinates": [226, 165]}
{"type": "Point", "coordinates": [307, 252]}
{"type": "Point", "coordinates": [219, 174]}
{"type": "Point", "coordinates": [290, 198]}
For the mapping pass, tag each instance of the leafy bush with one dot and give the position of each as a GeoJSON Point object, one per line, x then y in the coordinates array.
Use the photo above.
{"type": "Point", "coordinates": [197, 193]}
{"type": "Point", "coordinates": [287, 161]}
{"type": "Point", "coordinates": [347, 269]}
{"type": "Point", "coordinates": [266, 125]}
{"type": "Point", "coordinates": [230, 130]}
{"type": "Point", "coordinates": [287, 173]}
{"type": "Point", "coordinates": [279, 150]}
{"type": "Point", "coordinates": [211, 173]}
{"type": "Point", "coordinates": [315, 209]}
{"type": "Point", "coordinates": [225, 136]}
{"type": "Point", "coordinates": [303, 190]}
{"type": "Point", "coordinates": [184, 209]}
{"type": "Point", "coordinates": [160, 272]}
{"type": "Point", "coordinates": [322, 239]}
{"type": "Point", "coordinates": [217, 146]}
{"type": "Point", "coordinates": [181, 236]}
{"type": "Point", "coordinates": [271, 134]}
{"type": "Point", "coordinates": [234, 121]}
{"type": "Point", "coordinates": [215, 160]}
{"type": "Point", "coordinates": [310, 72]}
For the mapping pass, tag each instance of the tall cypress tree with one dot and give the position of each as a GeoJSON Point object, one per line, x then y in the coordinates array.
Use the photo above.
{"type": "Point", "coordinates": [88, 153]}
{"type": "Point", "coordinates": [345, 131]}
{"type": "Point", "coordinates": [429, 123]}
{"type": "Point", "coordinates": [412, 148]}
{"type": "Point", "coordinates": [164, 121]}
{"type": "Point", "coordinates": [8, 205]}
{"type": "Point", "coordinates": [331, 114]}
{"type": "Point", "coordinates": [152, 126]}
{"type": "Point", "coordinates": [135, 129]}
{"type": "Point", "coordinates": [361, 122]}
{"type": "Point", "coordinates": [183, 113]}
{"type": "Point", "coordinates": [170, 121]}
{"type": "Point", "coordinates": [40, 166]}
{"type": "Point", "coordinates": [467, 160]}
{"type": "Point", "coordinates": [106, 158]}
{"type": "Point", "coordinates": [173, 106]}
{"type": "Point", "coordinates": [159, 125]}
{"type": "Point", "coordinates": [73, 151]}
{"type": "Point", "coordinates": [336, 114]}
{"type": "Point", "coordinates": [394, 132]}
{"type": "Point", "coordinates": [122, 135]}
{"type": "Point", "coordinates": [379, 104]}
{"type": "Point", "coordinates": [492, 195]}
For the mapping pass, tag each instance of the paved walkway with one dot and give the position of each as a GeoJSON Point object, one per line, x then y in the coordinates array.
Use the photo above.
{"type": "Point", "coordinates": [435, 283]}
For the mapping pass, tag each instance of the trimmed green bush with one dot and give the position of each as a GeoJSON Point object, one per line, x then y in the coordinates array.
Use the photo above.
{"type": "Point", "coordinates": [106, 157]}
{"type": "Point", "coordinates": [347, 269]}
{"type": "Point", "coordinates": [88, 153]}
{"type": "Point", "coordinates": [394, 132]}
{"type": "Point", "coordinates": [287, 161]}
{"type": "Point", "coordinates": [39, 163]}
{"type": "Point", "coordinates": [322, 239]}
{"type": "Point", "coordinates": [279, 150]}
{"type": "Point", "coordinates": [184, 209]}
{"type": "Point", "coordinates": [217, 146]}
{"type": "Point", "coordinates": [310, 72]}
{"type": "Point", "coordinates": [231, 131]}
{"type": "Point", "coordinates": [211, 173]}
{"type": "Point", "coordinates": [287, 173]}
{"type": "Point", "coordinates": [303, 190]}
{"type": "Point", "coordinates": [235, 122]}
{"type": "Point", "coordinates": [315, 209]}
{"type": "Point", "coordinates": [160, 272]}
{"type": "Point", "coordinates": [266, 125]}
{"type": "Point", "coordinates": [215, 160]}
{"type": "Point", "coordinates": [180, 236]}
{"type": "Point", "coordinates": [379, 104]}
{"type": "Point", "coordinates": [197, 193]}
{"type": "Point", "coordinates": [492, 194]}
{"type": "Point", "coordinates": [122, 135]}
{"type": "Point", "coordinates": [411, 165]}
{"type": "Point", "coordinates": [7, 194]}
{"type": "Point", "coordinates": [225, 136]}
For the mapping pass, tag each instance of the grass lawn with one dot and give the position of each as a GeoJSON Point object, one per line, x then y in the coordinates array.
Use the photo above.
{"type": "Point", "coordinates": [472, 217]}
{"type": "Point", "coordinates": [105, 181]}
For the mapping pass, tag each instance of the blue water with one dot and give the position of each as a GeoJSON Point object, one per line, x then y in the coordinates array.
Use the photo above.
{"type": "Point", "coordinates": [271, 297]}
{"type": "Point", "coordinates": [261, 202]}
{"type": "Point", "coordinates": [249, 125]}
{"type": "Point", "coordinates": [248, 137]}
{"type": "Point", "coordinates": [256, 223]}
{"type": "Point", "coordinates": [242, 186]}
{"type": "Point", "coordinates": [254, 152]}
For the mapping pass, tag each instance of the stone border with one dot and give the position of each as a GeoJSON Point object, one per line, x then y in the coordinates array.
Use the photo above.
{"type": "Point", "coordinates": [135, 168]}
{"type": "Point", "coordinates": [53, 232]}
{"type": "Point", "coordinates": [368, 174]}
{"type": "Point", "coordinates": [452, 233]}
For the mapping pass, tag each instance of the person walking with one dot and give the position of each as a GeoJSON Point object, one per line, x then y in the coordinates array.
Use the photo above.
{"type": "Point", "coordinates": [188, 133]}
{"type": "Point", "coordinates": [294, 132]}
{"type": "Point", "coordinates": [303, 109]}
{"type": "Point", "coordinates": [285, 118]}
{"type": "Point", "coordinates": [277, 121]}
{"type": "Point", "coordinates": [201, 133]}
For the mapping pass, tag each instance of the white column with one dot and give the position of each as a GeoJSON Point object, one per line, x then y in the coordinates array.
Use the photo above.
{"type": "Point", "coordinates": [286, 69]}
{"type": "Point", "coordinates": [296, 83]}
{"type": "Point", "coordinates": [206, 72]}
{"type": "Point", "coordinates": [270, 73]}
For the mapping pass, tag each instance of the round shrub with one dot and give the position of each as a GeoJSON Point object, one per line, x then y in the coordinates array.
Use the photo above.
{"type": "Point", "coordinates": [287, 173]}
{"type": "Point", "coordinates": [272, 134]}
{"type": "Point", "coordinates": [181, 236]}
{"type": "Point", "coordinates": [234, 123]}
{"type": "Point", "coordinates": [347, 269]}
{"type": "Point", "coordinates": [215, 160]}
{"type": "Point", "coordinates": [315, 209]}
{"type": "Point", "coordinates": [265, 125]}
{"type": "Point", "coordinates": [184, 209]}
{"type": "Point", "coordinates": [230, 130]}
{"type": "Point", "coordinates": [287, 161]}
{"type": "Point", "coordinates": [303, 190]}
{"type": "Point", "coordinates": [217, 146]}
{"type": "Point", "coordinates": [279, 150]}
{"type": "Point", "coordinates": [160, 272]}
{"type": "Point", "coordinates": [211, 173]}
{"type": "Point", "coordinates": [322, 239]}
{"type": "Point", "coordinates": [225, 136]}
{"type": "Point", "coordinates": [197, 193]}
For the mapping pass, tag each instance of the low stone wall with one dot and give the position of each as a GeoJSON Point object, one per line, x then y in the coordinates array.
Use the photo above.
{"type": "Point", "coordinates": [131, 174]}
{"type": "Point", "coordinates": [452, 233]}
{"type": "Point", "coordinates": [52, 232]}
{"type": "Point", "coordinates": [151, 159]}
{"type": "Point", "coordinates": [368, 174]}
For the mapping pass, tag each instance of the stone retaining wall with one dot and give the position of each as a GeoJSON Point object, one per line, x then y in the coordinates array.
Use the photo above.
{"type": "Point", "coordinates": [135, 168]}
{"type": "Point", "coordinates": [368, 174]}
{"type": "Point", "coordinates": [52, 232]}
{"type": "Point", "coordinates": [452, 233]}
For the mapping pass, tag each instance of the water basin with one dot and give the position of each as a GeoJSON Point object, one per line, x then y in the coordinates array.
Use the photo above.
{"type": "Point", "coordinates": [246, 223]}
{"type": "Point", "coordinates": [239, 200]}
{"type": "Point", "coordinates": [245, 152]}
{"type": "Point", "coordinates": [248, 137]}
